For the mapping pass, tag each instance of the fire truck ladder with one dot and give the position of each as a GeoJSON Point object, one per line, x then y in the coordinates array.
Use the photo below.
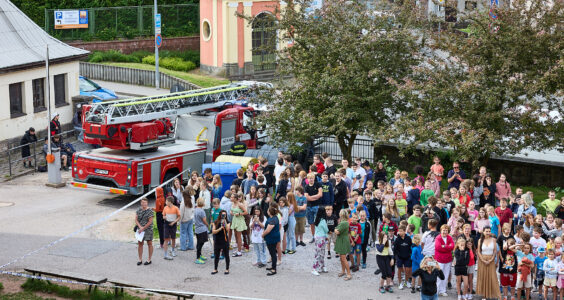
{"type": "Point", "coordinates": [169, 105]}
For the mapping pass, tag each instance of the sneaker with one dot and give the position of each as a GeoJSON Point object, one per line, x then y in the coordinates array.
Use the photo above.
{"type": "Point", "coordinates": [443, 294]}
{"type": "Point", "coordinates": [312, 240]}
{"type": "Point", "coordinates": [328, 254]}
{"type": "Point", "coordinates": [173, 253]}
{"type": "Point", "coordinates": [367, 249]}
{"type": "Point", "coordinates": [324, 270]}
{"type": "Point", "coordinates": [291, 251]}
{"type": "Point", "coordinates": [314, 272]}
{"type": "Point", "coordinates": [377, 272]}
{"type": "Point", "coordinates": [237, 254]}
{"type": "Point", "coordinates": [413, 290]}
{"type": "Point", "coordinates": [167, 257]}
{"type": "Point", "coordinates": [408, 284]}
{"type": "Point", "coordinates": [302, 244]}
{"type": "Point", "coordinates": [245, 250]}
{"type": "Point", "coordinates": [460, 297]}
{"type": "Point", "coordinates": [212, 256]}
{"type": "Point", "coordinates": [418, 288]}
{"type": "Point", "coordinates": [382, 290]}
{"type": "Point", "coordinates": [389, 289]}
{"type": "Point", "coordinates": [364, 266]}
{"type": "Point", "coordinates": [222, 257]}
{"type": "Point", "coordinates": [203, 258]}
{"type": "Point", "coordinates": [401, 285]}
{"type": "Point", "coordinates": [449, 285]}
{"type": "Point", "coordinates": [199, 261]}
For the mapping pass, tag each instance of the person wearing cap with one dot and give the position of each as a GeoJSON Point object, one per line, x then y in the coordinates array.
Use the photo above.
{"type": "Point", "coordinates": [28, 138]}
{"type": "Point", "coordinates": [55, 125]}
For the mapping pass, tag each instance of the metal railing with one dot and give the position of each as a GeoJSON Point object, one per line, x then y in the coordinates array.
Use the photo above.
{"type": "Point", "coordinates": [9, 163]}
{"type": "Point", "coordinates": [131, 76]}
{"type": "Point", "coordinates": [362, 147]}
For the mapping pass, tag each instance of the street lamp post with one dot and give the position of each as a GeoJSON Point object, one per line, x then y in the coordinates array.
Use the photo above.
{"type": "Point", "coordinates": [157, 33]}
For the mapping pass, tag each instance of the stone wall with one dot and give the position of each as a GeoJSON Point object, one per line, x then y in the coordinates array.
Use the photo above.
{"type": "Point", "coordinates": [128, 46]}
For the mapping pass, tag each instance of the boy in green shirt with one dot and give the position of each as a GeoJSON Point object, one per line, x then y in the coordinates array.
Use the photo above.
{"type": "Point", "coordinates": [426, 193]}
{"type": "Point", "coordinates": [401, 204]}
{"type": "Point", "coordinates": [551, 203]}
{"type": "Point", "coordinates": [415, 219]}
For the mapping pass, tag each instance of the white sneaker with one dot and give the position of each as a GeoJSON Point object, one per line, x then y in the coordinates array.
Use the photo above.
{"type": "Point", "coordinates": [401, 286]}
{"type": "Point", "coordinates": [408, 284]}
{"type": "Point", "coordinates": [443, 294]}
{"type": "Point", "coordinates": [167, 257]}
{"type": "Point", "coordinates": [173, 253]}
{"type": "Point", "coordinates": [314, 272]}
{"type": "Point", "coordinates": [324, 270]}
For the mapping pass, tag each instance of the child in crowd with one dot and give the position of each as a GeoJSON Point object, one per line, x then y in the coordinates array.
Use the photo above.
{"type": "Point", "coordinates": [321, 230]}
{"type": "Point", "coordinates": [201, 230]}
{"type": "Point", "coordinates": [462, 259]}
{"type": "Point", "coordinates": [537, 241]}
{"type": "Point", "coordinates": [472, 214]}
{"type": "Point", "coordinates": [525, 268]}
{"type": "Point", "coordinates": [415, 219]}
{"type": "Point", "coordinates": [437, 169]}
{"type": "Point", "coordinates": [332, 221]}
{"type": "Point", "coordinates": [365, 236]}
{"type": "Point", "coordinates": [539, 267]}
{"type": "Point", "coordinates": [402, 250]}
{"type": "Point", "coordinates": [257, 228]}
{"type": "Point", "coordinates": [416, 258]}
{"type": "Point", "coordinates": [214, 215]}
{"type": "Point", "coordinates": [508, 269]}
{"type": "Point", "coordinates": [355, 232]}
{"type": "Point", "coordinates": [426, 193]}
{"type": "Point", "coordinates": [428, 238]}
{"type": "Point", "coordinates": [410, 230]}
{"type": "Point", "coordinates": [300, 215]}
{"type": "Point", "coordinates": [560, 282]}
{"type": "Point", "coordinates": [550, 268]}
{"type": "Point", "coordinates": [285, 211]}
{"type": "Point", "coordinates": [384, 259]}
{"type": "Point", "coordinates": [401, 204]}
{"type": "Point", "coordinates": [494, 221]}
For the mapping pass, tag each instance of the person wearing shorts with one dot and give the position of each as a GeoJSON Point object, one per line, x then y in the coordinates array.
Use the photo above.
{"type": "Point", "coordinates": [171, 216]}
{"type": "Point", "coordinates": [508, 271]}
{"type": "Point", "coordinates": [551, 268]}
{"type": "Point", "coordinates": [300, 216]}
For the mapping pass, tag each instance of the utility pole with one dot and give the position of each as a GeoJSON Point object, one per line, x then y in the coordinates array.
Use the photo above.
{"type": "Point", "coordinates": [53, 167]}
{"type": "Point", "coordinates": [157, 23]}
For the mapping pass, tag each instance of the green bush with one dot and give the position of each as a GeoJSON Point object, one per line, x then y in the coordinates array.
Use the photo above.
{"type": "Point", "coordinates": [140, 54]}
{"type": "Point", "coordinates": [1, 286]}
{"type": "Point", "coordinates": [114, 56]}
{"type": "Point", "coordinates": [171, 63]}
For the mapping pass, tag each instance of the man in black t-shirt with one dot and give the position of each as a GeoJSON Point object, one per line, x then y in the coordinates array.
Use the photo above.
{"type": "Point", "coordinates": [313, 193]}
{"type": "Point", "coordinates": [341, 192]}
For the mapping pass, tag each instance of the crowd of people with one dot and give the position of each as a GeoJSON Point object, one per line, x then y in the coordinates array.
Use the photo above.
{"type": "Point", "coordinates": [477, 228]}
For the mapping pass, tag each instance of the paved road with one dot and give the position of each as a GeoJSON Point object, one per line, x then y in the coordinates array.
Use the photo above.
{"type": "Point", "coordinates": [41, 215]}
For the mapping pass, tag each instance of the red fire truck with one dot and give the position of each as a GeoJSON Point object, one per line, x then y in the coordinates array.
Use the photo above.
{"type": "Point", "coordinates": [146, 141]}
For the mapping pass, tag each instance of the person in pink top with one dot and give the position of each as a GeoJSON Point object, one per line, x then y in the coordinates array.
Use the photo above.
{"type": "Point", "coordinates": [437, 169]}
{"type": "Point", "coordinates": [502, 188]}
{"type": "Point", "coordinates": [444, 244]}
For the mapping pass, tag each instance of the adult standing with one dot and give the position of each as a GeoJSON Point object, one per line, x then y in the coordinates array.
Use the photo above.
{"type": "Point", "coordinates": [144, 222]}
{"type": "Point", "coordinates": [187, 221]}
{"type": "Point", "coordinates": [342, 244]}
{"type": "Point", "coordinates": [349, 170]}
{"type": "Point", "coordinates": [271, 237]}
{"type": "Point", "coordinates": [430, 273]}
{"type": "Point", "coordinates": [220, 231]}
{"type": "Point", "coordinates": [478, 189]}
{"type": "Point", "coordinates": [380, 173]}
{"type": "Point", "coordinates": [488, 285]}
{"type": "Point", "coordinates": [159, 206]}
{"type": "Point", "coordinates": [28, 138]}
{"type": "Point", "coordinates": [455, 176]}
{"type": "Point", "coordinates": [177, 190]}
{"type": "Point", "coordinates": [313, 193]}
{"type": "Point", "coordinates": [55, 125]}
{"type": "Point", "coordinates": [238, 148]}
{"type": "Point", "coordinates": [444, 244]}
{"type": "Point", "coordinates": [341, 192]}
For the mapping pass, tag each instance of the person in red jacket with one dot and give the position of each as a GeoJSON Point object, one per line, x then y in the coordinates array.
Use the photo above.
{"type": "Point", "coordinates": [504, 213]}
{"type": "Point", "coordinates": [444, 244]}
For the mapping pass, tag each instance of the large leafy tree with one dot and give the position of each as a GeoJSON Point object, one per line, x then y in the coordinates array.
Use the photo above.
{"type": "Point", "coordinates": [494, 91]}
{"type": "Point", "coordinates": [344, 64]}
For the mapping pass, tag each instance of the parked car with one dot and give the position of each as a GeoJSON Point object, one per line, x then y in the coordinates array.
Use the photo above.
{"type": "Point", "coordinates": [91, 88]}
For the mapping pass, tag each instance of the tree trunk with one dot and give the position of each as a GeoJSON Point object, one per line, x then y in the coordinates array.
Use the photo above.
{"type": "Point", "coordinates": [346, 144]}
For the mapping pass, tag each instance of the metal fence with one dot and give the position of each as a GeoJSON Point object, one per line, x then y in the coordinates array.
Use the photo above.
{"type": "Point", "coordinates": [109, 23]}
{"type": "Point", "coordinates": [11, 160]}
{"type": "Point", "coordinates": [362, 147]}
{"type": "Point", "coordinates": [131, 76]}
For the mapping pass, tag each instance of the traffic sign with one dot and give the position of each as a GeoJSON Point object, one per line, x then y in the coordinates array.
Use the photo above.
{"type": "Point", "coordinates": [158, 40]}
{"type": "Point", "coordinates": [157, 24]}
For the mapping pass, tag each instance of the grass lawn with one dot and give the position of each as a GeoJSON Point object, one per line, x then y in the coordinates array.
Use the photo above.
{"type": "Point", "coordinates": [194, 76]}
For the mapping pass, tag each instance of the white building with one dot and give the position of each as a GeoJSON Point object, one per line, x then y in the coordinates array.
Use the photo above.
{"type": "Point", "coordinates": [22, 74]}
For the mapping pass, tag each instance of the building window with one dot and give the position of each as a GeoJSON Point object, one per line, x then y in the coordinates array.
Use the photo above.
{"type": "Point", "coordinates": [16, 100]}
{"type": "Point", "coordinates": [38, 94]}
{"type": "Point", "coordinates": [206, 30]}
{"type": "Point", "coordinates": [60, 90]}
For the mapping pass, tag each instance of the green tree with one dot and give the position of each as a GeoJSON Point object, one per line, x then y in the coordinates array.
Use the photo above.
{"type": "Point", "coordinates": [345, 63]}
{"type": "Point", "coordinates": [496, 91]}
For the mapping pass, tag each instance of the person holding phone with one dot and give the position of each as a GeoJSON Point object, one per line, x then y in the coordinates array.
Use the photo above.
{"type": "Point", "coordinates": [429, 272]}
{"type": "Point", "coordinates": [220, 231]}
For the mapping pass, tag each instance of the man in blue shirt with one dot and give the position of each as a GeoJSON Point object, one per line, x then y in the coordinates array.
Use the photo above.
{"type": "Point", "coordinates": [455, 176]}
